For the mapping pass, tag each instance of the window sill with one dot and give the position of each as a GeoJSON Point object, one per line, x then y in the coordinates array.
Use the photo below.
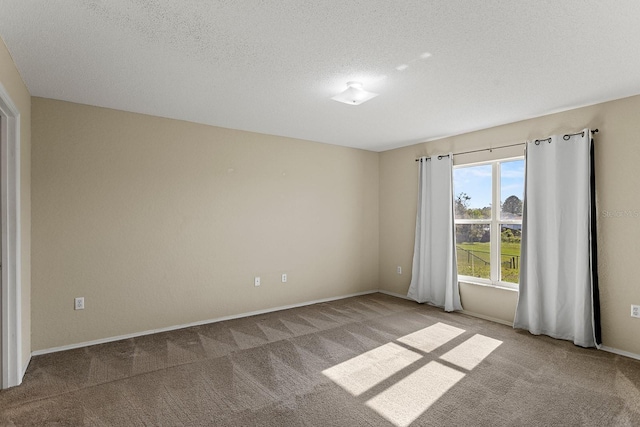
{"type": "Point", "coordinates": [507, 287]}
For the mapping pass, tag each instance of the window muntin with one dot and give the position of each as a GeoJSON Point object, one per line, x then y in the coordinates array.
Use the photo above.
{"type": "Point", "coordinates": [488, 239]}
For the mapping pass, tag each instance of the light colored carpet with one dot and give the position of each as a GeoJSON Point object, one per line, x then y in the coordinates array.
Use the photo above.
{"type": "Point", "coordinates": [373, 360]}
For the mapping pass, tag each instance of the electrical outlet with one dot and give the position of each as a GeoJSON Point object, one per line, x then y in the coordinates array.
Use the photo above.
{"type": "Point", "coordinates": [256, 281]}
{"type": "Point", "coordinates": [284, 277]}
{"type": "Point", "coordinates": [399, 270]}
{"type": "Point", "coordinates": [635, 310]}
{"type": "Point", "coordinates": [79, 303]}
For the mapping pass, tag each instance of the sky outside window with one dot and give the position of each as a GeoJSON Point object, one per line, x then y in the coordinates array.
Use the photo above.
{"type": "Point", "coordinates": [475, 182]}
{"type": "Point", "coordinates": [511, 184]}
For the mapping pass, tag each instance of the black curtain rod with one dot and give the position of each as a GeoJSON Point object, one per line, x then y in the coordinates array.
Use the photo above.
{"type": "Point", "coordinates": [566, 137]}
{"type": "Point", "coordinates": [537, 142]}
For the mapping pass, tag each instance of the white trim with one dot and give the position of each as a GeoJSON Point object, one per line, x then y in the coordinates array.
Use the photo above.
{"type": "Point", "coordinates": [25, 367]}
{"type": "Point", "coordinates": [489, 318]}
{"type": "Point", "coordinates": [469, 313]}
{"type": "Point", "coordinates": [476, 281]}
{"type": "Point", "coordinates": [198, 323]}
{"type": "Point", "coordinates": [487, 162]}
{"type": "Point", "coordinates": [620, 352]}
{"type": "Point", "coordinates": [270, 310]}
{"type": "Point", "coordinates": [495, 241]}
{"type": "Point", "coordinates": [11, 308]}
{"type": "Point", "coordinates": [510, 324]}
{"type": "Point", "coordinates": [481, 221]}
{"type": "Point", "coordinates": [393, 294]}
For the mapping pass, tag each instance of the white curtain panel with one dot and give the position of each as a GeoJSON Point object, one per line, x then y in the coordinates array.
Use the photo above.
{"type": "Point", "coordinates": [556, 278]}
{"type": "Point", "coordinates": [434, 277]}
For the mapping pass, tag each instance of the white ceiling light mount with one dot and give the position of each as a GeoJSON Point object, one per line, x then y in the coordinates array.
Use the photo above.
{"type": "Point", "coordinates": [354, 94]}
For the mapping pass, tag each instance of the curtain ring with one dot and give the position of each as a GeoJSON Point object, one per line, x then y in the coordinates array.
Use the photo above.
{"type": "Point", "coordinates": [566, 137]}
{"type": "Point", "coordinates": [537, 142]}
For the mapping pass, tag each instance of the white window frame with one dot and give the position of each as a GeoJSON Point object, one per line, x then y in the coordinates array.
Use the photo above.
{"type": "Point", "coordinates": [494, 222]}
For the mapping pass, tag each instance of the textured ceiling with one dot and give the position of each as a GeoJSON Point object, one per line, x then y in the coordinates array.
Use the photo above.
{"type": "Point", "coordinates": [272, 66]}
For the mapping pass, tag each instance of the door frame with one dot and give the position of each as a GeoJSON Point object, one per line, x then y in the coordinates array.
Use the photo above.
{"type": "Point", "coordinates": [11, 303]}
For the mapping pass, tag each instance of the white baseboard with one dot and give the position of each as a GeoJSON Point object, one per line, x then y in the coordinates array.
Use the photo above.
{"type": "Point", "coordinates": [187, 325]}
{"type": "Point", "coordinates": [620, 352]}
{"type": "Point", "coordinates": [469, 313]}
{"type": "Point", "coordinates": [393, 294]}
{"type": "Point", "coordinates": [270, 310]}
{"type": "Point", "coordinates": [510, 324]}
{"type": "Point", "coordinates": [489, 318]}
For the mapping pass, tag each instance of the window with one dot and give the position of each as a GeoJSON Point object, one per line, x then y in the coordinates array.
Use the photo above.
{"type": "Point", "coordinates": [488, 201]}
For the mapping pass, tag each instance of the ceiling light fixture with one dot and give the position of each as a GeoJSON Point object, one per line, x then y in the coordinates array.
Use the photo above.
{"type": "Point", "coordinates": [354, 94]}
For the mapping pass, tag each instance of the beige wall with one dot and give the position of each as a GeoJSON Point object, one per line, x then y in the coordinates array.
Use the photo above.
{"type": "Point", "coordinates": [617, 162]}
{"type": "Point", "coordinates": [17, 90]}
{"type": "Point", "coordinates": [159, 222]}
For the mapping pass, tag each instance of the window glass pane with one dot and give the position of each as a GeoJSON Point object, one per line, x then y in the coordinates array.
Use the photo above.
{"type": "Point", "coordinates": [511, 189]}
{"type": "Point", "coordinates": [510, 236]}
{"type": "Point", "coordinates": [473, 250]}
{"type": "Point", "coordinates": [472, 192]}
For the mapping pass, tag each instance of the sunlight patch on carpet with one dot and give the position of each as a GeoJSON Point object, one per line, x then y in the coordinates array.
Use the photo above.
{"type": "Point", "coordinates": [404, 400]}
{"type": "Point", "coordinates": [432, 337]}
{"type": "Point", "coordinates": [363, 372]}
{"type": "Point", "coordinates": [407, 399]}
{"type": "Point", "coordinates": [470, 353]}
